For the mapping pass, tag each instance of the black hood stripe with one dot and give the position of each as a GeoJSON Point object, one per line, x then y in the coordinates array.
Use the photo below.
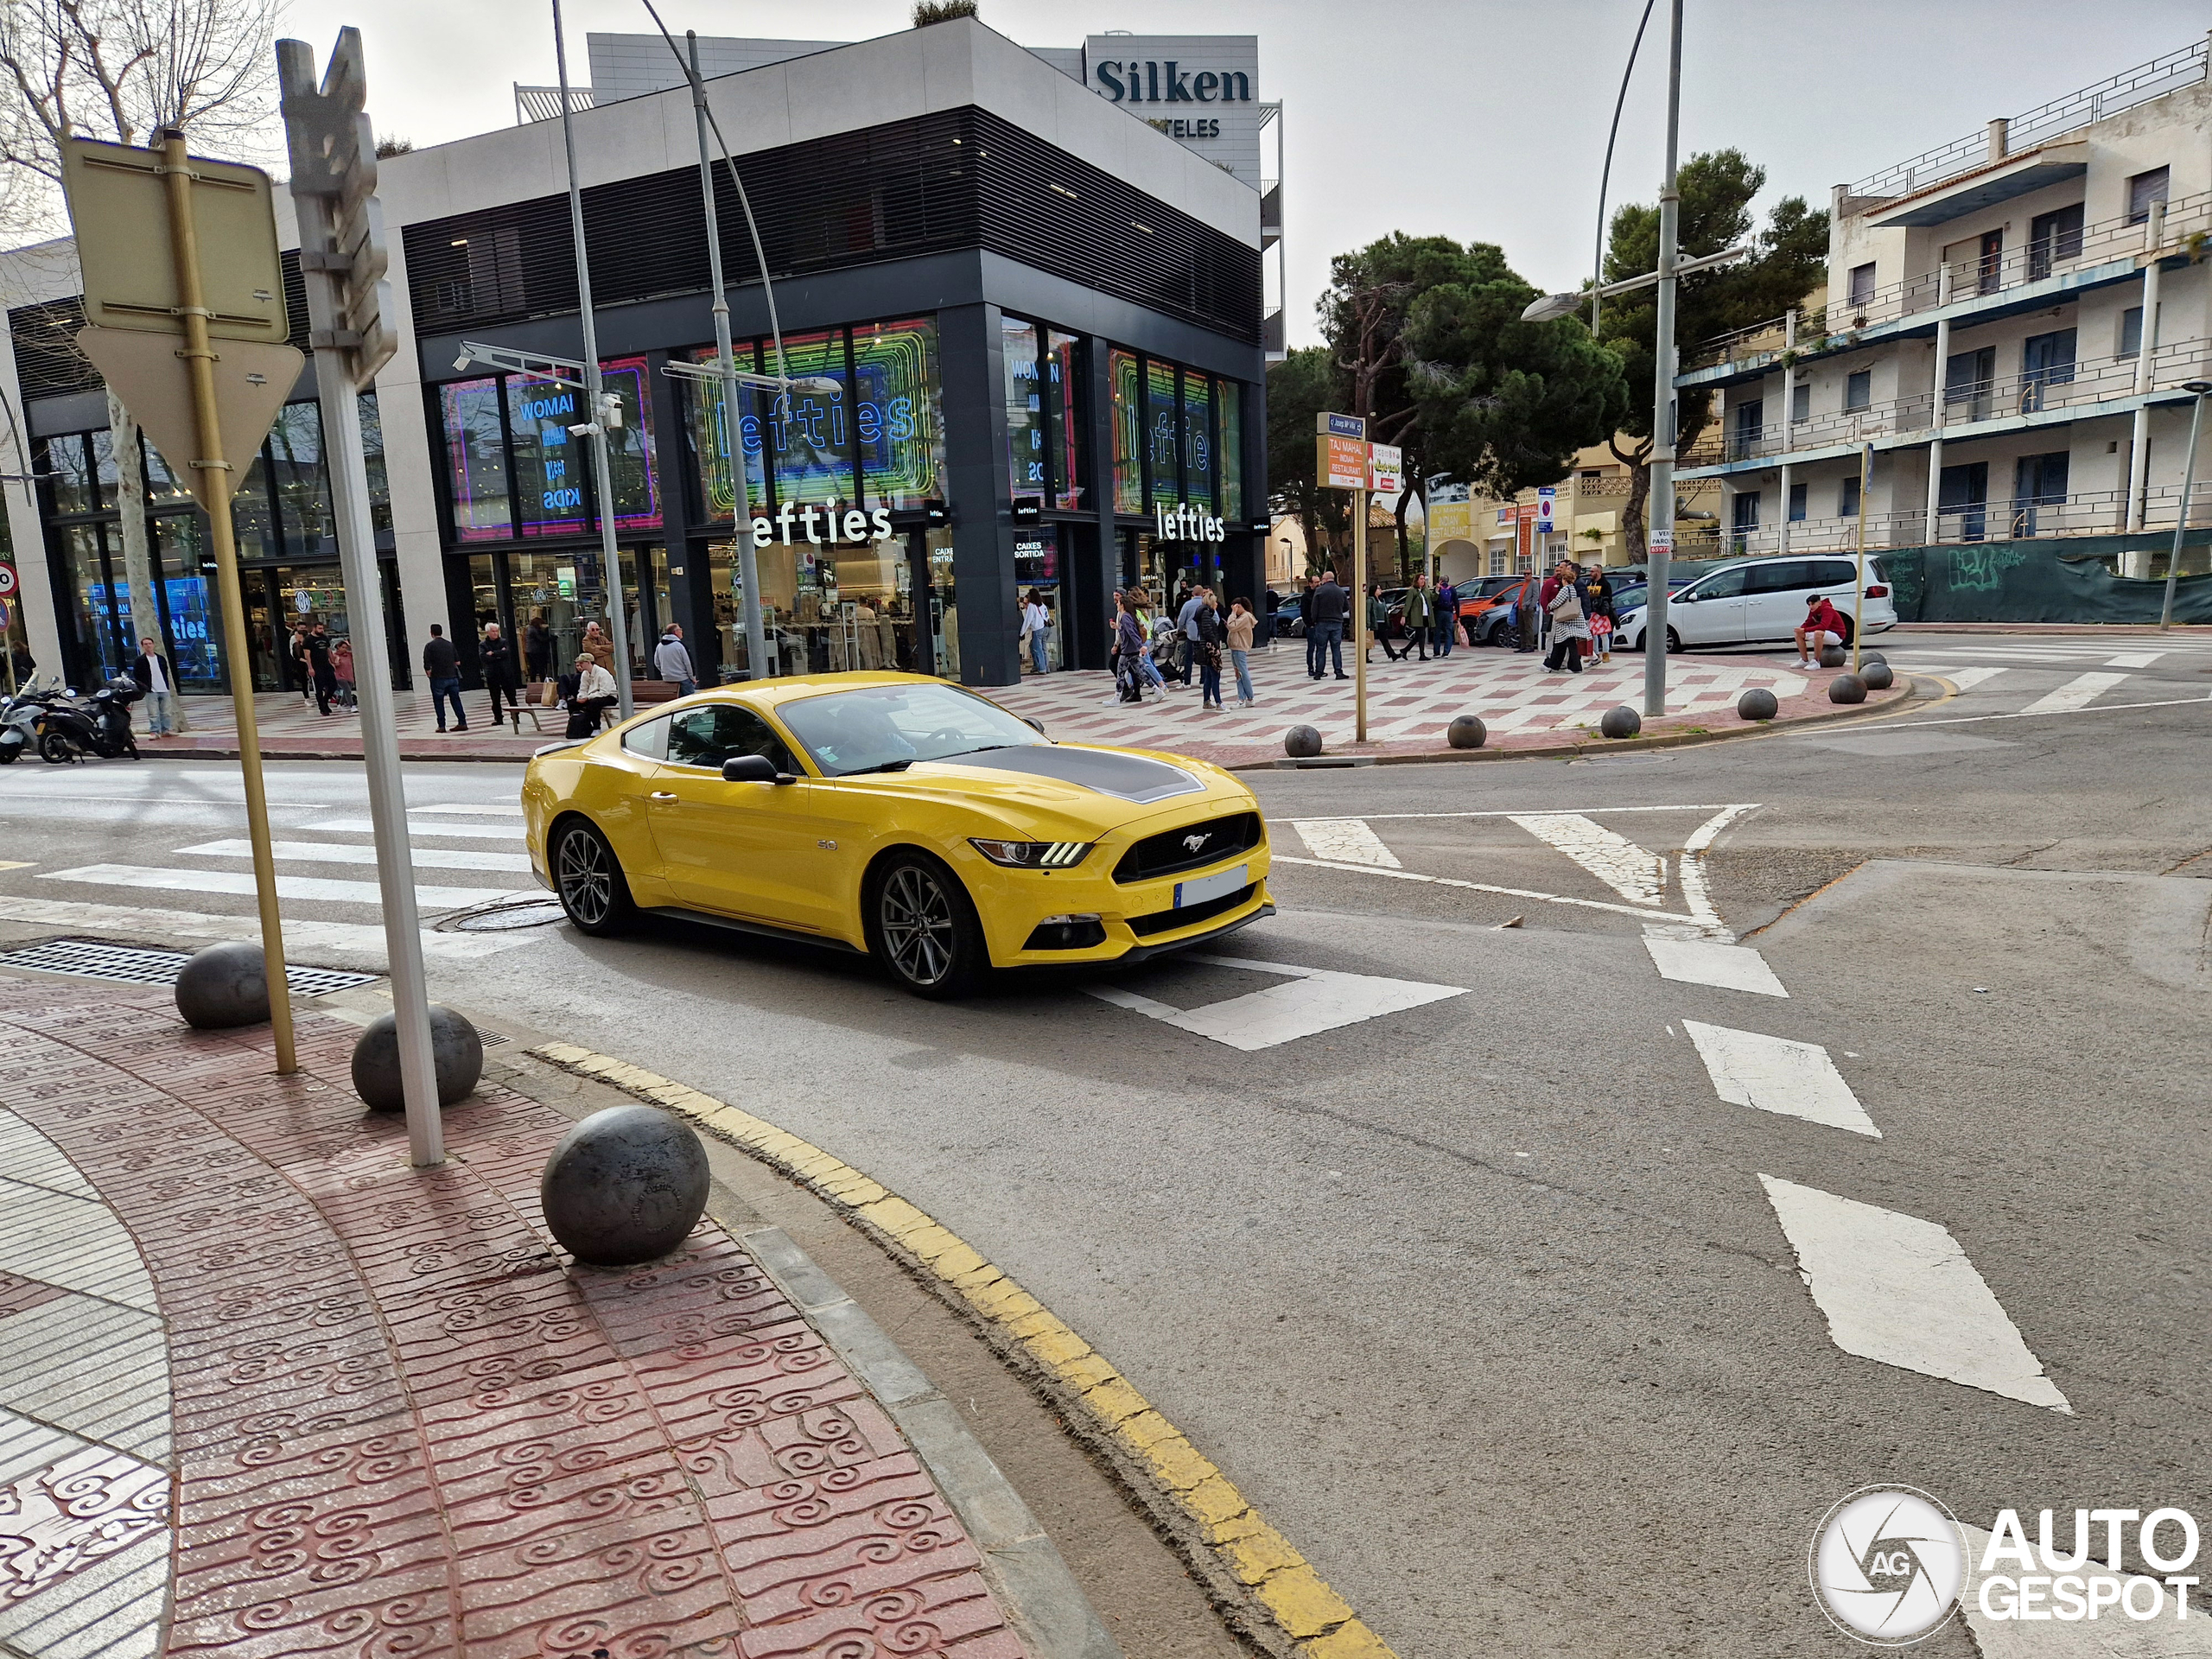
{"type": "Point", "coordinates": [1125, 777]}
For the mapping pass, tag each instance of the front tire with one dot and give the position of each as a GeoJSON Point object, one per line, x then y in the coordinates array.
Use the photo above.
{"type": "Point", "coordinates": [588, 879]}
{"type": "Point", "coordinates": [922, 926]}
{"type": "Point", "coordinates": [54, 749]}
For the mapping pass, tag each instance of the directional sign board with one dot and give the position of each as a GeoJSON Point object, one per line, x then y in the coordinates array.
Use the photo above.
{"type": "Point", "coordinates": [333, 154]}
{"type": "Point", "coordinates": [1341, 463]}
{"type": "Point", "coordinates": [1385, 468]}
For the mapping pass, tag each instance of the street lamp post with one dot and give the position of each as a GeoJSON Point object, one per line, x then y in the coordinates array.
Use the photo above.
{"type": "Point", "coordinates": [1659, 538]}
{"type": "Point", "coordinates": [2201, 389]}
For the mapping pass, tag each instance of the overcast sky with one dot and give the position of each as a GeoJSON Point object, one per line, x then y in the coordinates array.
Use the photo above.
{"type": "Point", "coordinates": [1479, 119]}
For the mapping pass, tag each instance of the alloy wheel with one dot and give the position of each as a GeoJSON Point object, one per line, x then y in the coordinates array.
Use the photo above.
{"type": "Point", "coordinates": [917, 927]}
{"type": "Point", "coordinates": [587, 877]}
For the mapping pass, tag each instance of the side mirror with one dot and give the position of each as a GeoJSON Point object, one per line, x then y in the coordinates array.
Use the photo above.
{"type": "Point", "coordinates": [1039, 724]}
{"type": "Point", "coordinates": [750, 769]}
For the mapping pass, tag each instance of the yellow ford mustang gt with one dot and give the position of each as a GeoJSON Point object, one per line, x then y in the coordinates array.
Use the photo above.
{"type": "Point", "coordinates": [900, 817]}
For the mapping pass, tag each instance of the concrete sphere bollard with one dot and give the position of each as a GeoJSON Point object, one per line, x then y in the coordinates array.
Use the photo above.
{"type": "Point", "coordinates": [1467, 732]}
{"type": "Point", "coordinates": [627, 1185]}
{"type": "Point", "coordinates": [1834, 656]}
{"type": "Point", "coordinates": [1878, 675]}
{"type": "Point", "coordinates": [223, 986]}
{"type": "Point", "coordinates": [1846, 688]}
{"type": "Point", "coordinates": [456, 1054]}
{"type": "Point", "coordinates": [1301, 742]}
{"type": "Point", "coordinates": [1868, 657]}
{"type": "Point", "coordinates": [1621, 722]}
{"type": "Point", "coordinates": [1758, 704]}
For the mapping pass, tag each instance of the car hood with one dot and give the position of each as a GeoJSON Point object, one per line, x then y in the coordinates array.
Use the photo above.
{"type": "Point", "coordinates": [1065, 789]}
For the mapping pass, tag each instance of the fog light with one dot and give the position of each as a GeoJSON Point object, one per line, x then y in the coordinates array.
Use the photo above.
{"type": "Point", "coordinates": [1067, 933]}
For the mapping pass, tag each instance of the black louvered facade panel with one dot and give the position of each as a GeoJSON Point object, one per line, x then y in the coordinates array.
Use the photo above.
{"type": "Point", "coordinates": [957, 178]}
{"type": "Point", "coordinates": [296, 329]}
{"type": "Point", "coordinates": [48, 362]}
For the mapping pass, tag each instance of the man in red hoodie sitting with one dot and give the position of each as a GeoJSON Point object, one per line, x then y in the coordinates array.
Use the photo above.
{"type": "Point", "coordinates": [1823, 626]}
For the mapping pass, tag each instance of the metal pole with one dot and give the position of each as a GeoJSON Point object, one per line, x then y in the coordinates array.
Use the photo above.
{"type": "Point", "coordinates": [1859, 611]}
{"type": "Point", "coordinates": [1789, 404]}
{"type": "Point", "coordinates": [596, 386]}
{"type": "Point", "coordinates": [1659, 539]}
{"type": "Point", "coordinates": [1359, 613]}
{"type": "Point", "coordinates": [1940, 391]}
{"type": "Point", "coordinates": [184, 247]}
{"type": "Point", "coordinates": [2181, 519]}
{"type": "Point", "coordinates": [2132, 561]}
{"type": "Point", "coordinates": [756, 638]}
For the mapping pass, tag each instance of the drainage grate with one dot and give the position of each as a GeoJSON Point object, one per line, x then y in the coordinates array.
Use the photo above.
{"type": "Point", "coordinates": [490, 1038]}
{"type": "Point", "coordinates": [91, 959]}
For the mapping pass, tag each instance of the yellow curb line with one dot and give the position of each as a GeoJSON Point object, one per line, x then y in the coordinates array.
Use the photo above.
{"type": "Point", "coordinates": [1291, 1596]}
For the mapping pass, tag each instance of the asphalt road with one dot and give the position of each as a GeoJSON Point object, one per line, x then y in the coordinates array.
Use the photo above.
{"type": "Point", "coordinates": [1509, 1306]}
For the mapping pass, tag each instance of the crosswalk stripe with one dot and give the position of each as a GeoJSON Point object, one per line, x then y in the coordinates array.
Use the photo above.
{"type": "Point", "coordinates": [1707, 961]}
{"type": "Point", "coordinates": [302, 938]}
{"type": "Point", "coordinates": [2077, 693]}
{"type": "Point", "coordinates": [1345, 840]}
{"type": "Point", "coordinates": [1774, 1074]}
{"type": "Point", "coordinates": [346, 852]}
{"type": "Point", "coordinates": [1634, 872]}
{"type": "Point", "coordinates": [1900, 1290]}
{"type": "Point", "coordinates": [305, 887]}
{"type": "Point", "coordinates": [2134, 659]}
{"type": "Point", "coordinates": [367, 827]}
{"type": "Point", "coordinates": [1966, 678]}
{"type": "Point", "coordinates": [1313, 1000]}
{"type": "Point", "coordinates": [492, 808]}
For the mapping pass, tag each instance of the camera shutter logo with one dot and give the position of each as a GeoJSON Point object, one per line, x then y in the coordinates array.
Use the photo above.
{"type": "Point", "coordinates": [1886, 1565]}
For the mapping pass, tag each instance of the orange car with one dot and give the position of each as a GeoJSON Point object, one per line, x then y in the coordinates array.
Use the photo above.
{"type": "Point", "coordinates": [1487, 609]}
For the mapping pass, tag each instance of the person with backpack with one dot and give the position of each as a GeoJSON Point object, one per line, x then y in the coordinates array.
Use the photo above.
{"type": "Point", "coordinates": [1598, 610]}
{"type": "Point", "coordinates": [1447, 616]}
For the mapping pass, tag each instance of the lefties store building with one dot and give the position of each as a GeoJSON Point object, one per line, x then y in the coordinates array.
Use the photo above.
{"type": "Point", "coordinates": [1031, 311]}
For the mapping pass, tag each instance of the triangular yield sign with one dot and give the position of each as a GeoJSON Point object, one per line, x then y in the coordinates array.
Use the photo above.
{"type": "Point", "coordinates": [252, 381]}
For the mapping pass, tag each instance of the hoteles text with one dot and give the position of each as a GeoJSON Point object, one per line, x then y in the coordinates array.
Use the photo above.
{"type": "Point", "coordinates": [857, 526]}
{"type": "Point", "coordinates": [1140, 82]}
{"type": "Point", "coordinates": [1182, 525]}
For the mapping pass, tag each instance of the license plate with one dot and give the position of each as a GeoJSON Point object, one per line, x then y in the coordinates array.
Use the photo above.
{"type": "Point", "coordinates": [1212, 887]}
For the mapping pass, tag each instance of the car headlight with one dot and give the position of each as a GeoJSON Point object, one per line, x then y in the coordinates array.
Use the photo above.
{"type": "Point", "coordinates": [1033, 855]}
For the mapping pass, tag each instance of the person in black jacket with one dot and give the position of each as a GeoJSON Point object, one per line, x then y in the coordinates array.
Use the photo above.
{"type": "Point", "coordinates": [1332, 605]}
{"type": "Point", "coordinates": [442, 664]}
{"type": "Point", "coordinates": [1212, 635]}
{"type": "Point", "coordinates": [497, 658]}
{"type": "Point", "coordinates": [320, 673]}
{"type": "Point", "coordinates": [158, 680]}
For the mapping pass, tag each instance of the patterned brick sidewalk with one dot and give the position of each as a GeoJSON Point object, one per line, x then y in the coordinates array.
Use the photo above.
{"type": "Point", "coordinates": [265, 1391]}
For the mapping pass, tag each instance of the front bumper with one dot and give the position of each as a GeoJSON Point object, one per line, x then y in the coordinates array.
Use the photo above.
{"type": "Point", "coordinates": [1136, 918]}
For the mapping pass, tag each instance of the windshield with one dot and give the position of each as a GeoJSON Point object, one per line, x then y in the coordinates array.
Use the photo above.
{"type": "Point", "coordinates": [888, 727]}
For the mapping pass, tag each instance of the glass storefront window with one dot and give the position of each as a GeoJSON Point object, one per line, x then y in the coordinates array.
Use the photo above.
{"type": "Point", "coordinates": [476, 459]}
{"type": "Point", "coordinates": [1037, 570]}
{"type": "Point", "coordinates": [939, 606]}
{"type": "Point", "coordinates": [1065, 413]}
{"type": "Point", "coordinates": [550, 464]}
{"type": "Point", "coordinates": [710, 439]}
{"type": "Point", "coordinates": [1198, 442]}
{"type": "Point", "coordinates": [873, 626]}
{"type": "Point", "coordinates": [1025, 409]}
{"type": "Point", "coordinates": [483, 591]}
{"type": "Point", "coordinates": [91, 619]}
{"type": "Point", "coordinates": [163, 487]}
{"type": "Point", "coordinates": [372, 456]}
{"type": "Point", "coordinates": [302, 492]}
{"type": "Point", "coordinates": [630, 454]}
{"type": "Point", "coordinates": [1128, 431]}
{"type": "Point", "coordinates": [1160, 434]}
{"type": "Point", "coordinates": [1229, 396]}
{"type": "Point", "coordinates": [544, 590]}
{"type": "Point", "coordinates": [900, 417]}
{"type": "Point", "coordinates": [188, 590]}
{"type": "Point", "coordinates": [70, 477]}
{"type": "Point", "coordinates": [102, 439]}
{"type": "Point", "coordinates": [809, 432]}
{"type": "Point", "coordinates": [252, 523]}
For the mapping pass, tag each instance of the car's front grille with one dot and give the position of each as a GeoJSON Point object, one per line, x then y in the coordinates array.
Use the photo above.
{"type": "Point", "coordinates": [1167, 921]}
{"type": "Point", "coordinates": [1171, 851]}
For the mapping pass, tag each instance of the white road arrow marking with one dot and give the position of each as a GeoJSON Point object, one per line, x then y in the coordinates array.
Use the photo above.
{"type": "Point", "coordinates": [1630, 870]}
{"type": "Point", "coordinates": [1706, 962]}
{"type": "Point", "coordinates": [2077, 693]}
{"type": "Point", "coordinates": [1774, 1074]}
{"type": "Point", "coordinates": [1345, 840]}
{"type": "Point", "coordinates": [1898, 1289]}
{"type": "Point", "coordinates": [1315, 1000]}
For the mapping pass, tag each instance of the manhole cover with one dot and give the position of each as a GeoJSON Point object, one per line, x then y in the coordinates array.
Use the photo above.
{"type": "Point", "coordinates": [536, 914]}
{"type": "Point", "coordinates": [92, 959]}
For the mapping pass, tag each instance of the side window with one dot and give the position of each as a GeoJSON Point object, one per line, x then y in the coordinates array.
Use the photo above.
{"type": "Point", "coordinates": [1785, 577]}
{"type": "Point", "coordinates": [1838, 573]}
{"type": "Point", "coordinates": [1723, 584]}
{"type": "Point", "coordinates": [649, 740]}
{"type": "Point", "coordinates": [709, 736]}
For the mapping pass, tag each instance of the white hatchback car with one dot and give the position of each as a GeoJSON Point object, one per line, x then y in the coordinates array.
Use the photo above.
{"type": "Point", "coordinates": [1752, 602]}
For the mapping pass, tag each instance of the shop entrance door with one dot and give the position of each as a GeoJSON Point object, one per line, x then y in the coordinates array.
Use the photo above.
{"type": "Point", "coordinates": [279, 598]}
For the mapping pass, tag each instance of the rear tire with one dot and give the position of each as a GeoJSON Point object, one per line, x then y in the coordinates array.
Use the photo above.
{"type": "Point", "coordinates": [922, 927]}
{"type": "Point", "coordinates": [54, 749]}
{"type": "Point", "coordinates": [588, 879]}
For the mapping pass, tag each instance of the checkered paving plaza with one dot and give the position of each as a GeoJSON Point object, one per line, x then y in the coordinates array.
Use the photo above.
{"type": "Point", "coordinates": [265, 1390]}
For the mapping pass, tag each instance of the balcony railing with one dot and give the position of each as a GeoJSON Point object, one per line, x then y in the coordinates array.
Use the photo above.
{"type": "Point", "coordinates": [2062, 387]}
{"type": "Point", "coordinates": [2090, 512]}
{"type": "Point", "coordinates": [2042, 124]}
{"type": "Point", "coordinates": [1836, 326]}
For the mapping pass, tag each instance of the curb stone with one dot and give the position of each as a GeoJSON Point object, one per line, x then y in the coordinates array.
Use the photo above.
{"type": "Point", "coordinates": [1269, 1593]}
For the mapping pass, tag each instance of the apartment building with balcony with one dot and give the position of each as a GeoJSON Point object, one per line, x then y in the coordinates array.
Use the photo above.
{"type": "Point", "coordinates": [2003, 341]}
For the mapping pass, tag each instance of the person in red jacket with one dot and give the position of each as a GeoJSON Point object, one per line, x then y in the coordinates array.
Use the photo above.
{"type": "Point", "coordinates": [1823, 626]}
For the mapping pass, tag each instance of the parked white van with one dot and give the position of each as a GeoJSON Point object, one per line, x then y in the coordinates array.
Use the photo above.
{"type": "Point", "coordinates": [1752, 601]}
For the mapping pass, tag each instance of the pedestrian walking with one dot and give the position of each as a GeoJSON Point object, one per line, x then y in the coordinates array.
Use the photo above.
{"type": "Point", "coordinates": [1207, 646]}
{"type": "Point", "coordinates": [1562, 604]}
{"type": "Point", "coordinates": [1421, 618]}
{"type": "Point", "coordinates": [1127, 651]}
{"type": "Point", "coordinates": [592, 696]}
{"type": "Point", "coordinates": [1239, 629]}
{"type": "Point", "coordinates": [537, 647]}
{"type": "Point", "coordinates": [497, 658]}
{"type": "Point", "coordinates": [441, 666]}
{"type": "Point", "coordinates": [1036, 623]}
{"type": "Point", "coordinates": [1377, 615]}
{"type": "Point", "coordinates": [317, 642]}
{"type": "Point", "coordinates": [672, 662]}
{"type": "Point", "coordinates": [1305, 630]}
{"type": "Point", "coordinates": [1332, 608]}
{"type": "Point", "coordinates": [296, 647]}
{"type": "Point", "coordinates": [1186, 629]}
{"type": "Point", "coordinates": [341, 673]}
{"type": "Point", "coordinates": [1447, 616]}
{"type": "Point", "coordinates": [151, 670]}
{"type": "Point", "coordinates": [1597, 610]}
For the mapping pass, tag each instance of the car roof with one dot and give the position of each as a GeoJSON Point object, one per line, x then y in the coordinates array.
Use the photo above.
{"type": "Point", "coordinates": [772, 693]}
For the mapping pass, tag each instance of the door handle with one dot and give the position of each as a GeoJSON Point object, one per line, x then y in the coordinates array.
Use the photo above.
{"type": "Point", "coordinates": [664, 795]}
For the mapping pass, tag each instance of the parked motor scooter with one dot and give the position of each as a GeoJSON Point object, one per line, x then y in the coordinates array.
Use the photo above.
{"type": "Point", "coordinates": [97, 725]}
{"type": "Point", "coordinates": [19, 716]}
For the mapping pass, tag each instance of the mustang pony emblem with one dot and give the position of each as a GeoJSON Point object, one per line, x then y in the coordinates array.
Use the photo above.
{"type": "Point", "coordinates": [1192, 843]}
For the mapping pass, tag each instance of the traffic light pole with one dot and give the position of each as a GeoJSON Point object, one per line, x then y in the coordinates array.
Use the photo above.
{"type": "Point", "coordinates": [192, 307]}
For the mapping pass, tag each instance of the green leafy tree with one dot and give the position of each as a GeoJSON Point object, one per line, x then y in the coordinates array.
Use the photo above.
{"type": "Point", "coordinates": [1304, 384]}
{"type": "Point", "coordinates": [1789, 258]}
